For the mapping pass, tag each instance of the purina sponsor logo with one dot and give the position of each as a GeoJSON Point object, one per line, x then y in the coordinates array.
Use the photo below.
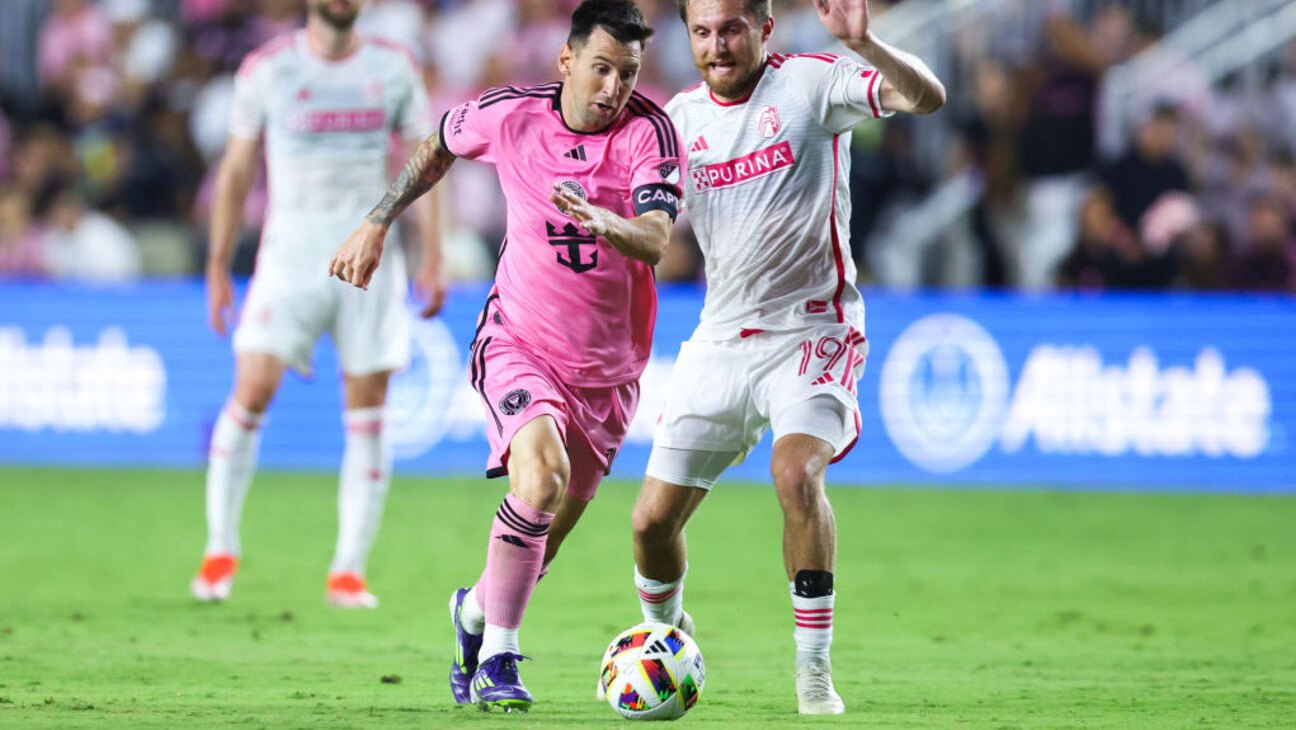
{"type": "Point", "coordinates": [59, 385]}
{"type": "Point", "coordinates": [946, 401]}
{"type": "Point", "coordinates": [744, 169]}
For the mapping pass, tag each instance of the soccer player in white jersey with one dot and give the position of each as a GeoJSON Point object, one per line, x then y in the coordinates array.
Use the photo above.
{"type": "Point", "coordinates": [326, 101]}
{"type": "Point", "coordinates": [780, 344]}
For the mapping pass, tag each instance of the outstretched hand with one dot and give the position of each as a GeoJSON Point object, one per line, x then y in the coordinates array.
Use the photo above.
{"type": "Point", "coordinates": [430, 287]}
{"type": "Point", "coordinates": [596, 220]}
{"type": "Point", "coordinates": [357, 258]}
{"type": "Point", "coordinates": [847, 20]}
{"type": "Point", "coordinates": [220, 301]}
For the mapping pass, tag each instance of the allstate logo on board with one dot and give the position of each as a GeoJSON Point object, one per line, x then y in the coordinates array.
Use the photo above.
{"type": "Point", "coordinates": [944, 389]}
{"type": "Point", "coordinates": [419, 396]}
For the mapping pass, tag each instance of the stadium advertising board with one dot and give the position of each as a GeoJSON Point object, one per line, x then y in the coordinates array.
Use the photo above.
{"type": "Point", "coordinates": [1119, 391]}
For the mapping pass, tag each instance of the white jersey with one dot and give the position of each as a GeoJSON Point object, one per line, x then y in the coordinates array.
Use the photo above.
{"type": "Point", "coordinates": [327, 126]}
{"type": "Point", "coordinates": [768, 198]}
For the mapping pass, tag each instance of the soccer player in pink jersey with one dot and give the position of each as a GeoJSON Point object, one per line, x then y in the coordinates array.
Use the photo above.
{"type": "Point", "coordinates": [780, 344]}
{"type": "Point", "coordinates": [590, 171]}
{"type": "Point", "coordinates": [325, 101]}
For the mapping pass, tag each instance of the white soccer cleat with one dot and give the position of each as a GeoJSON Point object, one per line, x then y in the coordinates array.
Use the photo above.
{"type": "Point", "coordinates": [686, 625]}
{"type": "Point", "coordinates": [815, 693]}
{"type": "Point", "coordinates": [215, 578]}
{"type": "Point", "coordinates": [348, 590]}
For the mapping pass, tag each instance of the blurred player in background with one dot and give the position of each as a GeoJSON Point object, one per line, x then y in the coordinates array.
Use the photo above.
{"type": "Point", "coordinates": [781, 339]}
{"type": "Point", "coordinates": [326, 102]}
{"type": "Point", "coordinates": [589, 170]}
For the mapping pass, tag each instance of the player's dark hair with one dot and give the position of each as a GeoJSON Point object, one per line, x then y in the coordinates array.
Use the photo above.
{"type": "Point", "coordinates": [620, 18]}
{"type": "Point", "coordinates": [759, 9]}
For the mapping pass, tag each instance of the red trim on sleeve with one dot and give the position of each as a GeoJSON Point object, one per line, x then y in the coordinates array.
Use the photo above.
{"type": "Point", "coordinates": [872, 105]}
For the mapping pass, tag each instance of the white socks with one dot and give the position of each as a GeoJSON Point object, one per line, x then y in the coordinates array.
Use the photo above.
{"type": "Point", "coordinates": [471, 614]}
{"type": "Point", "coordinates": [813, 630]}
{"type": "Point", "coordinates": [230, 465]}
{"type": "Point", "coordinates": [366, 472]}
{"type": "Point", "coordinates": [497, 640]}
{"type": "Point", "coordinates": [661, 602]}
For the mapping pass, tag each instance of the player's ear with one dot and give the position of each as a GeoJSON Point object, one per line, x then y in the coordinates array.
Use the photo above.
{"type": "Point", "coordinates": [565, 58]}
{"type": "Point", "coordinates": [767, 28]}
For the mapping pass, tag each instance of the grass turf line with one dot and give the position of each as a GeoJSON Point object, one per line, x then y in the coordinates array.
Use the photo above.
{"type": "Point", "coordinates": [956, 609]}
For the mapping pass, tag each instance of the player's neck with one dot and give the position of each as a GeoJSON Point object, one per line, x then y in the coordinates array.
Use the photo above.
{"type": "Point", "coordinates": [327, 41]}
{"type": "Point", "coordinates": [571, 116]}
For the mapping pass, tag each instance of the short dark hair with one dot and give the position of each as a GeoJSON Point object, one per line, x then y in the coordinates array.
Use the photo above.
{"type": "Point", "coordinates": [620, 18]}
{"type": "Point", "coordinates": [759, 9]}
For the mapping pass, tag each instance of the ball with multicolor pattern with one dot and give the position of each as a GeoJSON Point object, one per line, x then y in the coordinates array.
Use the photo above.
{"type": "Point", "coordinates": [652, 671]}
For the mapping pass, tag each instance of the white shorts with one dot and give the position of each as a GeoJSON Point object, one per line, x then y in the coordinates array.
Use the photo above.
{"type": "Point", "coordinates": [724, 395]}
{"type": "Point", "coordinates": [290, 304]}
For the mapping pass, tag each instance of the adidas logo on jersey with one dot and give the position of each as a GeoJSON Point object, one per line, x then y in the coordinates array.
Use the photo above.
{"type": "Point", "coordinates": [577, 153]}
{"type": "Point", "coordinates": [698, 145]}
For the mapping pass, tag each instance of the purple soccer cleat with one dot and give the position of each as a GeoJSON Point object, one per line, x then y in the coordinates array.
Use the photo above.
{"type": "Point", "coordinates": [466, 645]}
{"type": "Point", "coordinates": [497, 685]}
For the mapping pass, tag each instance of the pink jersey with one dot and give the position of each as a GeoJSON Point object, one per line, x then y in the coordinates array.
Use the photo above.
{"type": "Point", "coordinates": [565, 294]}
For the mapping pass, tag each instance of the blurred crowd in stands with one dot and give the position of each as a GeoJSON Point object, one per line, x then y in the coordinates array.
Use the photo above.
{"type": "Point", "coordinates": [113, 114]}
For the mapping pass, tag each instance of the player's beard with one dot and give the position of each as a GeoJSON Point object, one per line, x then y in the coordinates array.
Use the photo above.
{"type": "Point", "coordinates": [339, 20]}
{"type": "Point", "coordinates": [731, 85]}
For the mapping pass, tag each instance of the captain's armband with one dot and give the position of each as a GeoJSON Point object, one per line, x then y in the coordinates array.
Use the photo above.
{"type": "Point", "coordinates": [657, 196]}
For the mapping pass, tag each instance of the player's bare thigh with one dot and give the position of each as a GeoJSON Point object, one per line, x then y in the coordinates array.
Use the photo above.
{"type": "Point", "coordinates": [256, 379]}
{"type": "Point", "coordinates": [538, 466]}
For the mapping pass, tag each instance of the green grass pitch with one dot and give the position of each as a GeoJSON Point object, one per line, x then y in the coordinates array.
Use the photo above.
{"type": "Point", "coordinates": [956, 609]}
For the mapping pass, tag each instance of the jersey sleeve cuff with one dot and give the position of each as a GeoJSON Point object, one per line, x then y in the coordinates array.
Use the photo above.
{"type": "Point", "coordinates": [875, 96]}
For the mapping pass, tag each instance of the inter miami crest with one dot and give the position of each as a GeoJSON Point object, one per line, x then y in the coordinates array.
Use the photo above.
{"type": "Point", "coordinates": [513, 403]}
{"type": "Point", "coordinates": [574, 188]}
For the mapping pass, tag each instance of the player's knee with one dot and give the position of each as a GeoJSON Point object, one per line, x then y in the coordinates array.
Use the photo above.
{"type": "Point", "coordinates": [254, 394]}
{"type": "Point", "coordinates": [540, 477]}
{"type": "Point", "coordinates": [652, 525]}
{"type": "Point", "coordinates": [799, 484]}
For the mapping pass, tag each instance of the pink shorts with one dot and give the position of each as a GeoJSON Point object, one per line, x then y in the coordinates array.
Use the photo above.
{"type": "Point", "coordinates": [517, 386]}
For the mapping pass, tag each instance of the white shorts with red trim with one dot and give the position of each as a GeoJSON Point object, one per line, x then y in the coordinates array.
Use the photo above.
{"type": "Point", "coordinates": [291, 304]}
{"type": "Point", "coordinates": [724, 395]}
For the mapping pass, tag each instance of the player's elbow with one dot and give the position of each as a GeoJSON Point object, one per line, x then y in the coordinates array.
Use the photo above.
{"type": "Point", "coordinates": [654, 253]}
{"type": "Point", "coordinates": [933, 99]}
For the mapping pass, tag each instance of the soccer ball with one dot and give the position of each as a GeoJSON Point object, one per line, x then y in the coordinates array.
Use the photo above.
{"type": "Point", "coordinates": [652, 671]}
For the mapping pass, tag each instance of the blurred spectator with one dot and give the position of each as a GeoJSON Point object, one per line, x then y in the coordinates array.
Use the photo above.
{"type": "Point", "coordinates": [1207, 258]}
{"type": "Point", "coordinates": [1268, 259]}
{"type": "Point", "coordinates": [1149, 169]}
{"type": "Point", "coordinates": [1234, 176]}
{"type": "Point", "coordinates": [1105, 254]}
{"type": "Point", "coordinates": [87, 245]}
{"type": "Point", "coordinates": [988, 144]}
{"type": "Point", "coordinates": [22, 252]}
{"type": "Point", "coordinates": [76, 30]}
{"type": "Point", "coordinates": [1057, 144]}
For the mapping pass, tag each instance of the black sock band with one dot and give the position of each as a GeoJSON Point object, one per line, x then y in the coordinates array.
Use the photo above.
{"type": "Point", "coordinates": [813, 583]}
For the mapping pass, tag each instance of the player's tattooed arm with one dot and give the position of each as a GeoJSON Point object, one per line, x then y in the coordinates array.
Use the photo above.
{"type": "Point", "coordinates": [423, 170]}
{"type": "Point", "coordinates": [358, 257]}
